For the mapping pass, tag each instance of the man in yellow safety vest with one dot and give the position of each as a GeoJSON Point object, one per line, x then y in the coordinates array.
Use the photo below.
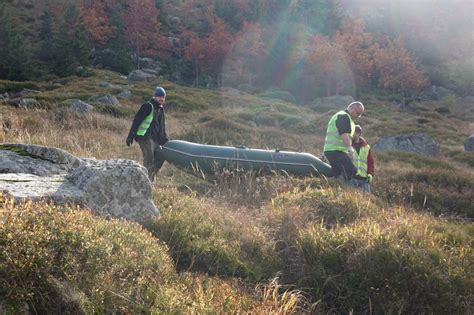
{"type": "Point", "coordinates": [363, 161]}
{"type": "Point", "coordinates": [149, 130]}
{"type": "Point", "coordinates": [338, 143]}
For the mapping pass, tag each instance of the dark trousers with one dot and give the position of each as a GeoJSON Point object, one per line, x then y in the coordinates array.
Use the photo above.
{"type": "Point", "coordinates": [341, 164]}
{"type": "Point", "coordinates": [152, 156]}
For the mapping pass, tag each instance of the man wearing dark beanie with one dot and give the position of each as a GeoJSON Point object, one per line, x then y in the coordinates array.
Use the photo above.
{"type": "Point", "coordinates": [149, 130]}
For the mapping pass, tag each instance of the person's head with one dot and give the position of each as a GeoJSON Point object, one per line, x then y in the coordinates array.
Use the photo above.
{"type": "Point", "coordinates": [355, 109]}
{"type": "Point", "coordinates": [159, 95]}
{"type": "Point", "coordinates": [357, 133]}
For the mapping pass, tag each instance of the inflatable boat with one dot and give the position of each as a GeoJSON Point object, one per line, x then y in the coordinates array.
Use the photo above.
{"type": "Point", "coordinates": [209, 159]}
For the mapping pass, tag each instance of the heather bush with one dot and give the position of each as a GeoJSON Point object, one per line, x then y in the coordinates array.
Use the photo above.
{"type": "Point", "coordinates": [365, 257]}
{"type": "Point", "coordinates": [60, 259]}
{"type": "Point", "coordinates": [209, 240]}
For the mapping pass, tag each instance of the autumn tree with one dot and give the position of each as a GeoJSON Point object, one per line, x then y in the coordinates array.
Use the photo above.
{"type": "Point", "coordinates": [97, 20]}
{"type": "Point", "coordinates": [209, 52]}
{"type": "Point", "coordinates": [142, 28]}
{"type": "Point", "coordinates": [397, 69]}
{"type": "Point", "coordinates": [248, 53]}
{"type": "Point", "coordinates": [360, 48]}
{"type": "Point", "coordinates": [330, 60]}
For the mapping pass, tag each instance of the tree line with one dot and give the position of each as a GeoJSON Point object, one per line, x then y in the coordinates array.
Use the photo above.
{"type": "Point", "coordinates": [308, 47]}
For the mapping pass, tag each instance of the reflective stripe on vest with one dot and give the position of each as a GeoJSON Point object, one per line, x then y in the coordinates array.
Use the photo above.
{"type": "Point", "coordinates": [333, 141]}
{"type": "Point", "coordinates": [146, 122]}
{"type": "Point", "coordinates": [360, 160]}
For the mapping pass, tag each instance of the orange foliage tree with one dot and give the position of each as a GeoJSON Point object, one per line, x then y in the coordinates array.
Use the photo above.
{"type": "Point", "coordinates": [97, 21]}
{"type": "Point", "coordinates": [359, 48]}
{"type": "Point", "coordinates": [329, 60]}
{"type": "Point", "coordinates": [248, 52]}
{"type": "Point", "coordinates": [142, 28]}
{"type": "Point", "coordinates": [397, 69]}
{"type": "Point", "coordinates": [209, 53]}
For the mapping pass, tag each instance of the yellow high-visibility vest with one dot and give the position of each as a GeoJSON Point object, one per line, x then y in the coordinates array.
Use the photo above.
{"type": "Point", "coordinates": [146, 122]}
{"type": "Point", "coordinates": [360, 160]}
{"type": "Point", "coordinates": [333, 141]}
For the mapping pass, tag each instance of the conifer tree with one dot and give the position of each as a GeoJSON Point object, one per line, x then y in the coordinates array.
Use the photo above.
{"type": "Point", "coordinates": [70, 48]}
{"type": "Point", "coordinates": [15, 57]}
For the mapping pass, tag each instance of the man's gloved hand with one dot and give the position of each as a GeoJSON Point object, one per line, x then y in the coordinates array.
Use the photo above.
{"type": "Point", "coordinates": [129, 140]}
{"type": "Point", "coordinates": [350, 152]}
{"type": "Point", "coordinates": [369, 178]}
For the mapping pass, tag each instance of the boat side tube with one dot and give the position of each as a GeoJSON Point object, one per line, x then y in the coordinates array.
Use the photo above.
{"type": "Point", "coordinates": [209, 158]}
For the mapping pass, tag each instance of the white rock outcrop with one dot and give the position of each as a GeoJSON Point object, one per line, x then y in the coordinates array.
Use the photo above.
{"type": "Point", "coordinates": [115, 188]}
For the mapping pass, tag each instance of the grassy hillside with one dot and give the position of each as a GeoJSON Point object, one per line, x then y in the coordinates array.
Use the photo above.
{"type": "Point", "coordinates": [242, 244]}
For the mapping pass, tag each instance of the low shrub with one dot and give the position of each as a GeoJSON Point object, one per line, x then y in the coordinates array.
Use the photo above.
{"type": "Point", "coordinates": [60, 259]}
{"type": "Point", "coordinates": [463, 157]}
{"type": "Point", "coordinates": [416, 160]}
{"type": "Point", "coordinates": [441, 192]}
{"type": "Point", "coordinates": [371, 259]}
{"type": "Point", "coordinates": [371, 267]}
{"type": "Point", "coordinates": [206, 240]}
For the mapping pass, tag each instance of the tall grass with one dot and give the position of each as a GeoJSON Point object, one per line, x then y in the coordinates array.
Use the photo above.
{"type": "Point", "coordinates": [59, 259]}
{"type": "Point", "coordinates": [372, 259]}
{"type": "Point", "coordinates": [63, 260]}
{"type": "Point", "coordinates": [206, 238]}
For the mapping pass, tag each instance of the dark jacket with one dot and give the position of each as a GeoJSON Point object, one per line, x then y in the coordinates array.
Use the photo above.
{"type": "Point", "coordinates": [343, 124]}
{"type": "Point", "coordinates": [157, 129]}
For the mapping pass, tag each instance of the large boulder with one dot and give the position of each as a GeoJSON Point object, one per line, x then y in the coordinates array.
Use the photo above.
{"type": "Point", "coordinates": [79, 106]}
{"type": "Point", "coordinates": [139, 75]}
{"type": "Point", "coordinates": [106, 100]}
{"type": "Point", "coordinates": [115, 188]}
{"type": "Point", "coordinates": [469, 144]}
{"type": "Point", "coordinates": [417, 143]}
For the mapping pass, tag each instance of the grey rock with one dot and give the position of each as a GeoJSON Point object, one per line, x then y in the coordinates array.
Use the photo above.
{"type": "Point", "coordinates": [331, 102]}
{"type": "Point", "coordinates": [149, 63]}
{"type": "Point", "coordinates": [125, 95]}
{"type": "Point", "coordinates": [106, 99]}
{"type": "Point", "coordinates": [150, 71]}
{"type": "Point", "coordinates": [36, 159]}
{"type": "Point", "coordinates": [139, 75]}
{"type": "Point", "coordinates": [173, 21]}
{"type": "Point", "coordinates": [116, 188]}
{"type": "Point", "coordinates": [26, 103]}
{"type": "Point", "coordinates": [79, 106]}
{"type": "Point", "coordinates": [417, 143]}
{"type": "Point", "coordinates": [26, 91]}
{"type": "Point", "coordinates": [469, 144]}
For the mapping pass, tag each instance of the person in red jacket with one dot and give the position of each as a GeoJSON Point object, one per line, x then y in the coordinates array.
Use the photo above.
{"type": "Point", "coordinates": [363, 161]}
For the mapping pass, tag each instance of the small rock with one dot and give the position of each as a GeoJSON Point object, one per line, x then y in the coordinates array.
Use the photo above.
{"type": "Point", "coordinates": [469, 144]}
{"type": "Point", "coordinates": [417, 143]}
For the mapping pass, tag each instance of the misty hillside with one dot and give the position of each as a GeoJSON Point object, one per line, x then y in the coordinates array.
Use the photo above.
{"type": "Point", "coordinates": [307, 48]}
